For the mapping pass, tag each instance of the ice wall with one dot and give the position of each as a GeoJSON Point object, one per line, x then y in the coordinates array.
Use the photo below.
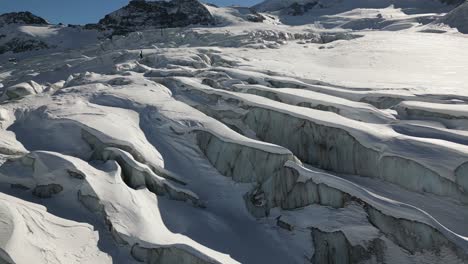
{"type": "Point", "coordinates": [336, 150]}
{"type": "Point", "coordinates": [242, 163]}
{"type": "Point", "coordinates": [453, 116]}
{"type": "Point", "coordinates": [325, 146]}
{"type": "Point", "coordinates": [289, 189]}
{"type": "Point", "coordinates": [138, 175]}
{"type": "Point", "coordinates": [334, 247]}
{"type": "Point", "coordinates": [246, 164]}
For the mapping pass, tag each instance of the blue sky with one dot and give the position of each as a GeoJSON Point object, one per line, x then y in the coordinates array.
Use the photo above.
{"type": "Point", "coordinates": [82, 11]}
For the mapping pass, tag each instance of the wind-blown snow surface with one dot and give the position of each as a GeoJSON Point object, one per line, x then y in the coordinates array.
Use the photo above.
{"type": "Point", "coordinates": [249, 142]}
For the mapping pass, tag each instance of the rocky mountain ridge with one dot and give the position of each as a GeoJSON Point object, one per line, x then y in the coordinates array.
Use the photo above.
{"type": "Point", "coordinates": [21, 18]}
{"type": "Point", "coordinates": [458, 18]}
{"type": "Point", "coordinates": [138, 15]}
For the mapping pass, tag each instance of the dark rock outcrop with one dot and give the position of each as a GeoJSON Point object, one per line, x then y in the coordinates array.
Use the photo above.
{"type": "Point", "coordinates": [47, 191]}
{"type": "Point", "coordinates": [457, 18]}
{"type": "Point", "coordinates": [21, 18]}
{"type": "Point", "coordinates": [294, 8]}
{"type": "Point", "coordinates": [17, 45]}
{"type": "Point", "coordinates": [255, 16]}
{"type": "Point", "coordinates": [300, 9]}
{"type": "Point", "coordinates": [140, 15]}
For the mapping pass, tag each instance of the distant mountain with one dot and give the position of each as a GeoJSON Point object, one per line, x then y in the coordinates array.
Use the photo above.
{"type": "Point", "coordinates": [26, 32]}
{"type": "Point", "coordinates": [21, 18]}
{"type": "Point", "coordinates": [15, 41]}
{"type": "Point", "coordinates": [300, 6]}
{"type": "Point", "coordinates": [140, 14]}
{"type": "Point", "coordinates": [275, 5]}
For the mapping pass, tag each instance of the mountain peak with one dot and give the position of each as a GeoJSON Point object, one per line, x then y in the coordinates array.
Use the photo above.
{"type": "Point", "coordinates": [21, 18]}
{"type": "Point", "coordinates": [140, 14]}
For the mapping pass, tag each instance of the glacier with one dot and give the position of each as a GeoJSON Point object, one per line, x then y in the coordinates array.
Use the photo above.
{"type": "Point", "coordinates": [287, 132]}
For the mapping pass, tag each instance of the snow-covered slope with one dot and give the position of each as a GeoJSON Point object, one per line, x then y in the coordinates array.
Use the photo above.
{"type": "Point", "coordinates": [25, 32]}
{"type": "Point", "coordinates": [275, 5]}
{"type": "Point", "coordinates": [343, 139]}
{"type": "Point", "coordinates": [358, 14]}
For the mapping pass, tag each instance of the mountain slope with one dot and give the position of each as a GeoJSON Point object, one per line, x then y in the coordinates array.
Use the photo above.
{"type": "Point", "coordinates": [25, 32]}
{"type": "Point", "coordinates": [138, 15]}
{"type": "Point", "coordinates": [457, 18]}
{"type": "Point", "coordinates": [21, 18]}
{"type": "Point", "coordinates": [275, 5]}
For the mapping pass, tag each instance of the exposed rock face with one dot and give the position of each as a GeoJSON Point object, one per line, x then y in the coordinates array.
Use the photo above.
{"type": "Point", "coordinates": [273, 5]}
{"type": "Point", "coordinates": [299, 9]}
{"type": "Point", "coordinates": [458, 18]}
{"type": "Point", "coordinates": [254, 16]}
{"type": "Point", "coordinates": [21, 18]}
{"type": "Point", "coordinates": [14, 43]}
{"type": "Point", "coordinates": [47, 191]}
{"type": "Point", "coordinates": [138, 15]}
{"type": "Point", "coordinates": [17, 45]}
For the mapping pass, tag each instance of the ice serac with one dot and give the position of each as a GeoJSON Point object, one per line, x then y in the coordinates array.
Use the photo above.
{"type": "Point", "coordinates": [86, 136]}
{"type": "Point", "coordinates": [452, 116]}
{"type": "Point", "coordinates": [334, 247]}
{"type": "Point", "coordinates": [239, 161]}
{"type": "Point", "coordinates": [315, 100]}
{"type": "Point", "coordinates": [408, 227]}
{"type": "Point", "coordinates": [132, 215]}
{"type": "Point", "coordinates": [143, 166]}
{"type": "Point", "coordinates": [139, 15]}
{"type": "Point", "coordinates": [327, 147]}
{"type": "Point", "coordinates": [341, 147]}
{"type": "Point", "coordinates": [137, 175]}
{"type": "Point", "coordinates": [291, 188]}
